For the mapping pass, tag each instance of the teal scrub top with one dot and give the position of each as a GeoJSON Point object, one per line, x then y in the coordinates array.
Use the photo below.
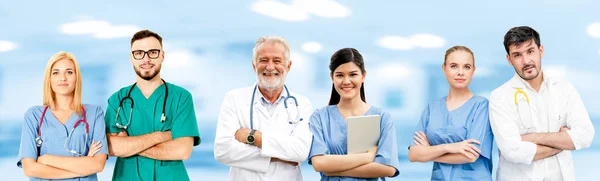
{"type": "Point", "coordinates": [145, 119]}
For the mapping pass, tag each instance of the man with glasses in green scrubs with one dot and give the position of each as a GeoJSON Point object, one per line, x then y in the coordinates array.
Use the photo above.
{"type": "Point", "coordinates": [151, 125]}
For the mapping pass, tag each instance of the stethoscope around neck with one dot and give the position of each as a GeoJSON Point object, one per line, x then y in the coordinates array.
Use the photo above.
{"type": "Point", "coordinates": [39, 141]}
{"type": "Point", "coordinates": [285, 104]}
{"type": "Point", "coordinates": [128, 97]}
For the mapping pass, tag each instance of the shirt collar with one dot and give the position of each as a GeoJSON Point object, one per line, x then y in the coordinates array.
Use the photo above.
{"type": "Point", "coordinates": [264, 101]}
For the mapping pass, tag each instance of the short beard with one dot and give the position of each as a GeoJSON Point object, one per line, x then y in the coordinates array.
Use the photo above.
{"type": "Point", "coordinates": [151, 76]}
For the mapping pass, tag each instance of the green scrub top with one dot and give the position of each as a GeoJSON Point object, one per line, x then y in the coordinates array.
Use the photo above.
{"type": "Point", "coordinates": [181, 121]}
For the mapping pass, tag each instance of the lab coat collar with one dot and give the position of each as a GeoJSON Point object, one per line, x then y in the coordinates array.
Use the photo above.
{"type": "Point", "coordinates": [260, 98]}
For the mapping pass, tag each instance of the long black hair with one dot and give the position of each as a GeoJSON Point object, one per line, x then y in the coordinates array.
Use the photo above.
{"type": "Point", "coordinates": [342, 56]}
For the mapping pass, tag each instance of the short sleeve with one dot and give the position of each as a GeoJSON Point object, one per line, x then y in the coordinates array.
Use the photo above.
{"type": "Point", "coordinates": [318, 146]}
{"type": "Point", "coordinates": [99, 130]}
{"type": "Point", "coordinates": [480, 130]}
{"type": "Point", "coordinates": [111, 112]}
{"type": "Point", "coordinates": [387, 151]}
{"type": "Point", "coordinates": [422, 125]}
{"type": "Point", "coordinates": [184, 120]}
{"type": "Point", "coordinates": [28, 147]}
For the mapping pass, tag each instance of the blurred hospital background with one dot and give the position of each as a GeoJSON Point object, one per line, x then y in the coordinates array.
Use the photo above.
{"type": "Point", "coordinates": [208, 47]}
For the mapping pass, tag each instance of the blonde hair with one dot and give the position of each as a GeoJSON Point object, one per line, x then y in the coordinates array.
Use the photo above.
{"type": "Point", "coordinates": [458, 48]}
{"type": "Point", "coordinates": [49, 94]}
{"type": "Point", "coordinates": [271, 39]}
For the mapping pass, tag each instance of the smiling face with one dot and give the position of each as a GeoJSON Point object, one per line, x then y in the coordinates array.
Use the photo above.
{"type": "Point", "coordinates": [458, 69]}
{"type": "Point", "coordinates": [347, 80]}
{"type": "Point", "coordinates": [271, 66]}
{"type": "Point", "coordinates": [147, 57]}
{"type": "Point", "coordinates": [63, 77]}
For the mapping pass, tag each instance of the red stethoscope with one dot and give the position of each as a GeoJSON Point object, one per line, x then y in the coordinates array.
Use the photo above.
{"type": "Point", "coordinates": [38, 139]}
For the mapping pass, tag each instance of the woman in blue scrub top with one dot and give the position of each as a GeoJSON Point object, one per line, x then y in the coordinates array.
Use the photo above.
{"type": "Point", "coordinates": [328, 154]}
{"type": "Point", "coordinates": [65, 153]}
{"type": "Point", "coordinates": [454, 131]}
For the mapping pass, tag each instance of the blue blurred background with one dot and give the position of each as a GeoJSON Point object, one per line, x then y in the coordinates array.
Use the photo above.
{"type": "Point", "coordinates": [208, 47]}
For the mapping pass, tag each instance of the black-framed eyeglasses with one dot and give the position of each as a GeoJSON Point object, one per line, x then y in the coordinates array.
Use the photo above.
{"type": "Point", "coordinates": [140, 54]}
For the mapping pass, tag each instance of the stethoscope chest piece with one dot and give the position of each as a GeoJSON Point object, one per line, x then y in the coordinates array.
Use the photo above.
{"type": "Point", "coordinates": [38, 141]}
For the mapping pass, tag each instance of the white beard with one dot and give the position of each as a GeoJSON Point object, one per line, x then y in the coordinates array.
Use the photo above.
{"type": "Point", "coordinates": [273, 83]}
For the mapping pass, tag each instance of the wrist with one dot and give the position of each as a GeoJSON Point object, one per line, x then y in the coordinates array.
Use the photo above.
{"type": "Point", "coordinates": [446, 148]}
{"type": "Point", "coordinates": [258, 139]}
{"type": "Point", "coordinates": [158, 137]}
{"type": "Point", "coordinates": [366, 157]}
{"type": "Point", "coordinates": [251, 138]}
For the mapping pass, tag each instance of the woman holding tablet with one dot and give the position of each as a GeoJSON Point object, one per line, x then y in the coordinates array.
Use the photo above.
{"type": "Point", "coordinates": [328, 153]}
{"type": "Point", "coordinates": [454, 131]}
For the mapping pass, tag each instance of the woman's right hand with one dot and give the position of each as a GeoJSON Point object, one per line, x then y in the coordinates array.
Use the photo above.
{"type": "Point", "coordinates": [372, 153]}
{"type": "Point", "coordinates": [465, 147]}
{"type": "Point", "coordinates": [94, 148]}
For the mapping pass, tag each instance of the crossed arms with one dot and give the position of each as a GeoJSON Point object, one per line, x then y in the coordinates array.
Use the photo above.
{"type": "Point", "coordinates": [452, 153]}
{"type": "Point", "coordinates": [231, 147]}
{"type": "Point", "coordinates": [379, 161]}
{"type": "Point", "coordinates": [156, 145]}
{"type": "Point", "coordinates": [360, 165]}
{"type": "Point", "coordinates": [61, 167]}
{"type": "Point", "coordinates": [526, 148]}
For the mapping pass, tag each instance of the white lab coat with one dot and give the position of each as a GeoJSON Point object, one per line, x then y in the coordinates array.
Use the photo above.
{"type": "Point", "coordinates": [564, 109]}
{"type": "Point", "coordinates": [290, 142]}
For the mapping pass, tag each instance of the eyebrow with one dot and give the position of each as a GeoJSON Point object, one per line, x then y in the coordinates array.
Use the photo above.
{"type": "Point", "coordinates": [147, 50]}
{"type": "Point", "coordinates": [531, 45]}
{"type": "Point", "coordinates": [454, 63]}
{"type": "Point", "coordinates": [354, 71]}
{"type": "Point", "coordinates": [58, 69]}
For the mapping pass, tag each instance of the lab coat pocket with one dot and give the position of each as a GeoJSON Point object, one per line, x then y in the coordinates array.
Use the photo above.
{"type": "Point", "coordinates": [525, 115]}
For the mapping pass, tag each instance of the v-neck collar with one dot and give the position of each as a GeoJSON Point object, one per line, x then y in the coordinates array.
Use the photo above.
{"type": "Point", "coordinates": [445, 106]}
{"type": "Point", "coordinates": [65, 127]}
{"type": "Point", "coordinates": [342, 122]}
{"type": "Point", "coordinates": [69, 120]}
{"type": "Point", "coordinates": [137, 93]}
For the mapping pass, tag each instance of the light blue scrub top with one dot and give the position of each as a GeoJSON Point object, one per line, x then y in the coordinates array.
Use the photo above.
{"type": "Point", "coordinates": [329, 137]}
{"type": "Point", "coordinates": [469, 121]}
{"type": "Point", "coordinates": [54, 134]}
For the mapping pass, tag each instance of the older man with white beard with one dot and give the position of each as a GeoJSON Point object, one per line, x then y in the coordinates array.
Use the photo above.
{"type": "Point", "coordinates": [262, 131]}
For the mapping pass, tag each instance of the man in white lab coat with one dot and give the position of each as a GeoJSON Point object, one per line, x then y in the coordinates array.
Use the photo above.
{"type": "Point", "coordinates": [257, 136]}
{"type": "Point", "coordinates": [536, 120]}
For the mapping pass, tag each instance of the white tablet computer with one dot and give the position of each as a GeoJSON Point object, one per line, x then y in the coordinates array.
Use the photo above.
{"type": "Point", "coordinates": [362, 133]}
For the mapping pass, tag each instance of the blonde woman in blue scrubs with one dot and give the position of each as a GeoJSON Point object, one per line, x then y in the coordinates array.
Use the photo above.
{"type": "Point", "coordinates": [454, 131]}
{"type": "Point", "coordinates": [65, 152]}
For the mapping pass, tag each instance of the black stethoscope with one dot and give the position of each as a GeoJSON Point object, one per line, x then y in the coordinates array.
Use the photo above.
{"type": "Point", "coordinates": [290, 120]}
{"type": "Point", "coordinates": [38, 139]}
{"type": "Point", "coordinates": [162, 116]}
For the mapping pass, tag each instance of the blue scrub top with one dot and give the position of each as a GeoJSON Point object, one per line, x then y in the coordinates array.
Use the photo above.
{"type": "Point", "coordinates": [54, 134]}
{"type": "Point", "coordinates": [329, 137]}
{"type": "Point", "coordinates": [469, 121]}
